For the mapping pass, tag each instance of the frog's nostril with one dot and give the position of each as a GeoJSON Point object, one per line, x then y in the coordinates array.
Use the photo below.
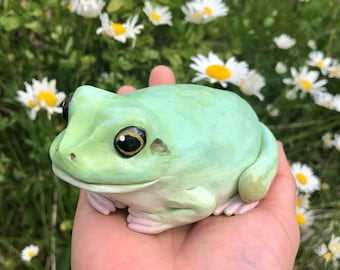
{"type": "Point", "coordinates": [72, 156]}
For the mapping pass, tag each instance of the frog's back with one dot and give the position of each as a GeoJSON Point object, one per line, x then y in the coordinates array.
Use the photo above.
{"type": "Point", "coordinates": [208, 109]}
{"type": "Point", "coordinates": [204, 128]}
{"type": "Point", "coordinates": [194, 101]}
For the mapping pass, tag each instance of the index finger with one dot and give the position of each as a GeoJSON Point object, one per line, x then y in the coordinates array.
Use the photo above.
{"type": "Point", "coordinates": [161, 75]}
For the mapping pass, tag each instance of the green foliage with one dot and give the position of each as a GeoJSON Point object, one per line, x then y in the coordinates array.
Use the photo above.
{"type": "Point", "coordinates": [42, 38]}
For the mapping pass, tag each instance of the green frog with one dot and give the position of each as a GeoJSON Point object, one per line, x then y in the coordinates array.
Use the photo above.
{"type": "Point", "coordinates": [171, 154]}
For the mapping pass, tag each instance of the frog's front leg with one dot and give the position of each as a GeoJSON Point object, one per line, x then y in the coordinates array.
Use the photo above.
{"type": "Point", "coordinates": [102, 204]}
{"type": "Point", "coordinates": [255, 181]}
{"type": "Point", "coordinates": [187, 207]}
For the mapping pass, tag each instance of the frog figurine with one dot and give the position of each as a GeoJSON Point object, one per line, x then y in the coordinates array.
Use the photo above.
{"type": "Point", "coordinates": [171, 154]}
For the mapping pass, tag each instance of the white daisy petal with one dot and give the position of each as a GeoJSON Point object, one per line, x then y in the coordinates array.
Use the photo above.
{"type": "Point", "coordinates": [284, 41]}
{"type": "Point", "coordinates": [252, 84]}
{"type": "Point", "coordinates": [336, 141]}
{"type": "Point", "coordinates": [317, 59]}
{"type": "Point", "coordinates": [158, 15]}
{"type": "Point", "coordinates": [86, 8]}
{"type": "Point", "coordinates": [306, 181]}
{"type": "Point", "coordinates": [29, 252]}
{"type": "Point", "coordinates": [331, 251]}
{"type": "Point", "coordinates": [213, 69]}
{"type": "Point", "coordinates": [40, 95]}
{"type": "Point", "coordinates": [119, 31]}
{"type": "Point", "coordinates": [305, 81]}
{"type": "Point", "coordinates": [327, 140]}
{"type": "Point", "coordinates": [280, 68]}
{"type": "Point", "coordinates": [204, 11]}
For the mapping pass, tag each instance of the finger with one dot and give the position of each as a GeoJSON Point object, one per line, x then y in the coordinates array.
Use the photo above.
{"type": "Point", "coordinates": [126, 89]}
{"type": "Point", "coordinates": [161, 75]}
{"type": "Point", "coordinates": [282, 192]}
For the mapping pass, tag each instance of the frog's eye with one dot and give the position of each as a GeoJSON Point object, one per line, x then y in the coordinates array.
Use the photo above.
{"type": "Point", "coordinates": [129, 141]}
{"type": "Point", "coordinates": [65, 106]}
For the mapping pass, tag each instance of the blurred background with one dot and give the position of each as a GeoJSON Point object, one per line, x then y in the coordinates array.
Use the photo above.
{"type": "Point", "coordinates": [48, 48]}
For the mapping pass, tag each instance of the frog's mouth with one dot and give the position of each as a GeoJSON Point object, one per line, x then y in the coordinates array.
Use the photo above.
{"type": "Point", "coordinates": [99, 187]}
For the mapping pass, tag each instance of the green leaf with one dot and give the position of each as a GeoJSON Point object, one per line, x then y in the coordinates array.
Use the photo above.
{"type": "Point", "coordinates": [35, 26]}
{"type": "Point", "coordinates": [115, 5]}
{"type": "Point", "coordinates": [9, 23]}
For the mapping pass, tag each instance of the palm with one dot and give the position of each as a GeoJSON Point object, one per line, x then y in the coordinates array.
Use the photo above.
{"type": "Point", "coordinates": [209, 244]}
{"type": "Point", "coordinates": [264, 238]}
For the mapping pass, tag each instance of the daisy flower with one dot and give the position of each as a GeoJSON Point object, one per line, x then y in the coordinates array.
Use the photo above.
{"type": "Point", "coordinates": [87, 8]}
{"type": "Point", "coordinates": [213, 69]}
{"type": "Point", "coordinates": [330, 252]}
{"type": "Point", "coordinates": [334, 70]}
{"type": "Point", "coordinates": [158, 15]}
{"type": "Point", "coordinates": [327, 140]}
{"type": "Point", "coordinates": [66, 225]}
{"type": "Point", "coordinates": [317, 59]}
{"type": "Point", "coordinates": [252, 84]}
{"type": "Point", "coordinates": [48, 96]}
{"type": "Point", "coordinates": [323, 99]}
{"type": "Point", "coordinates": [284, 41]}
{"type": "Point", "coordinates": [204, 11]}
{"type": "Point", "coordinates": [29, 100]}
{"type": "Point", "coordinates": [311, 44]}
{"type": "Point", "coordinates": [272, 110]}
{"type": "Point", "coordinates": [29, 252]}
{"type": "Point", "coordinates": [336, 103]}
{"type": "Point", "coordinates": [304, 218]}
{"type": "Point", "coordinates": [119, 31]}
{"type": "Point", "coordinates": [305, 81]}
{"type": "Point", "coordinates": [305, 179]}
{"type": "Point", "coordinates": [41, 95]}
{"type": "Point", "coordinates": [302, 200]}
{"type": "Point", "coordinates": [336, 141]}
{"type": "Point", "coordinates": [280, 68]}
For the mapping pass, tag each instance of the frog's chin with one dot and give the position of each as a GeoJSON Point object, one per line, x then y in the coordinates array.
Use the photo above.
{"type": "Point", "coordinates": [101, 188]}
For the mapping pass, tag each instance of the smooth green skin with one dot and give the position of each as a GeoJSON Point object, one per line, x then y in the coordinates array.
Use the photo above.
{"type": "Point", "coordinates": [215, 148]}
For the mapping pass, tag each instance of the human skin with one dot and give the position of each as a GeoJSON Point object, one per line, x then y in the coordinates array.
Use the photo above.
{"type": "Point", "coordinates": [266, 237]}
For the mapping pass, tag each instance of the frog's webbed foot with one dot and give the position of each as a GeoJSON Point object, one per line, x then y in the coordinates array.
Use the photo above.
{"type": "Point", "coordinates": [143, 222]}
{"type": "Point", "coordinates": [102, 204]}
{"type": "Point", "coordinates": [235, 206]}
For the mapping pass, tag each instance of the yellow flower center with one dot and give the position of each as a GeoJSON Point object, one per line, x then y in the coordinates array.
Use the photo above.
{"type": "Point", "coordinates": [327, 256]}
{"type": "Point", "coordinates": [320, 64]}
{"type": "Point", "coordinates": [32, 103]}
{"type": "Point", "coordinates": [298, 202]}
{"type": "Point", "coordinates": [154, 16]}
{"type": "Point", "coordinates": [300, 218]}
{"type": "Point", "coordinates": [218, 72]}
{"type": "Point", "coordinates": [305, 84]}
{"type": "Point", "coordinates": [49, 97]}
{"type": "Point", "coordinates": [70, 6]}
{"type": "Point", "coordinates": [30, 253]}
{"type": "Point", "coordinates": [302, 178]}
{"type": "Point", "coordinates": [208, 11]}
{"type": "Point", "coordinates": [118, 28]}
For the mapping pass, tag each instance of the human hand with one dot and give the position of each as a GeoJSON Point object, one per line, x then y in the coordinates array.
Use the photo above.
{"type": "Point", "coordinates": [266, 237]}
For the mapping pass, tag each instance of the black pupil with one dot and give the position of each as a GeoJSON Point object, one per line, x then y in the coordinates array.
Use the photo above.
{"type": "Point", "coordinates": [129, 144]}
